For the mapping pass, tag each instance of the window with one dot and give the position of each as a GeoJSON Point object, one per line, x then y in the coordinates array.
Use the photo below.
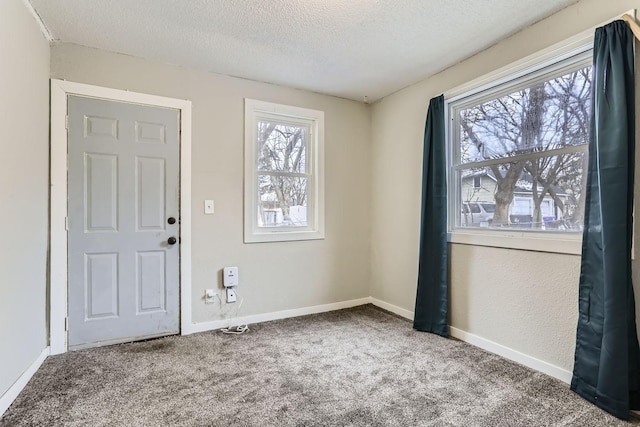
{"type": "Point", "coordinates": [283, 173]}
{"type": "Point", "coordinates": [525, 139]}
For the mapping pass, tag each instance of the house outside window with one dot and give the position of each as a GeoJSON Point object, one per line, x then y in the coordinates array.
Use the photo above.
{"type": "Point", "coordinates": [518, 150]}
{"type": "Point", "coordinates": [284, 186]}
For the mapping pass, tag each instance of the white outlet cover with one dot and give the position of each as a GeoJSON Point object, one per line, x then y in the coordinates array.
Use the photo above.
{"type": "Point", "coordinates": [231, 295]}
{"type": "Point", "coordinates": [209, 296]}
{"type": "Point", "coordinates": [209, 207]}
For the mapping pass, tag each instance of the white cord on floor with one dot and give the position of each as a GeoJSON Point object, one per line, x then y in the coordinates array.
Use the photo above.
{"type": "Point", "coordinates": [239, 329]}
{"type": "Point", "coordinates": [235, 330]}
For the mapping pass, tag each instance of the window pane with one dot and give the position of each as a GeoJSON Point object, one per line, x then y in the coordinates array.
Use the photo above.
{"type": "Point", "coordinates": [541, 194]}
{"type": "Point", "coordinates": [283, 201]}
{"type": "Point", "coordinates": [281, 147]}
{"type": "Point", "coordinates": [546, 115]}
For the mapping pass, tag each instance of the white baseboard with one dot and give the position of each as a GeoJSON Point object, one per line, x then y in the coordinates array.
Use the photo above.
{"type": "Point", "coordinates": [511, 354]}
{"type": "Point", "coordinates": [485, 344]}
{"type": "Point", "coordinates": [10, 395]}
{"type": "Point", "coordinates": [266, 317]}
{"type": "Point", "coordinates": [392, 308]}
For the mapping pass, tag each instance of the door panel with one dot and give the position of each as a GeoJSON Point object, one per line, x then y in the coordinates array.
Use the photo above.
{"type": "Point", "coordinates": [101, 285]}
{"type": "Point", "coordinates": [101, 127]}
{"type": "Point", "coordinates": [150, 192]}
{"type": "Point", "coordinates": [151, 281]}
{"type": "Point", "coordinates": [101, 192]}
{"type": "Point", "coordinates": [150, 132]}
{"type": "Point", "coordinates": [123, 174]}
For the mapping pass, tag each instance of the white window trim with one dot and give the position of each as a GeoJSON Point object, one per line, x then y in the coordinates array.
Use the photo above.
{"type": "Point", "coordinates": [255, 109]}
{"type": "Point", "coordinates": [554, 242]}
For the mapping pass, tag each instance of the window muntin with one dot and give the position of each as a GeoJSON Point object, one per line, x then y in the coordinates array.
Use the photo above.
{"type": "Point", "coordinates": [283, 172]}
{"type": "Point", "coordinates": [526, 142]}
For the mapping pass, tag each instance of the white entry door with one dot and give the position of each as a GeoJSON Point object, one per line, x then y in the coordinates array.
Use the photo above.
{"type": "Point", "coordinates": [123, 231]}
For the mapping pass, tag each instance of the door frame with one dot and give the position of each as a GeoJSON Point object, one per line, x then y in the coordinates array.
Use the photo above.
{"type": "Point", "coordinates": [58, 291]}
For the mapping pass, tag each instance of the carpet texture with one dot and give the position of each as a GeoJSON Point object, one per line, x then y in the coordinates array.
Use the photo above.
{"type": "Point", "coordinates": [355, 367]}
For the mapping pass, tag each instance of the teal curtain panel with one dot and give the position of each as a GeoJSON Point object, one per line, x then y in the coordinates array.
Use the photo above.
{"type": "Point", "coordinates": [607, 359]}
{"type": "Point", "coordinates": [432, 299]}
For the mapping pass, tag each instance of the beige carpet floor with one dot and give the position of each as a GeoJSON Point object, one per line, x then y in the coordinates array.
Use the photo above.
{"type": "Point", "coordinates": [355, 367]}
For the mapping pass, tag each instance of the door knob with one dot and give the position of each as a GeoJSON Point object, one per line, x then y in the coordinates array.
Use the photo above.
{"type": "Point", "coordinates": [171, 220]}
{"type": "Point", "coordinates": [171, 240]}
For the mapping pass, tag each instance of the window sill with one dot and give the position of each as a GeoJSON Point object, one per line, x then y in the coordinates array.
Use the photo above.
{"type": "Point", "coordinates": [560, 243]}
{"type": "Point", "coordinates": [283, 236]}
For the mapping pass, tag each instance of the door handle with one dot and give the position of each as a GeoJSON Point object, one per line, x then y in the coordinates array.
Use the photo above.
{"type": "Point", "coordinates": [171, 220]}
{"type": "Point", "coordinates": [171, 240]}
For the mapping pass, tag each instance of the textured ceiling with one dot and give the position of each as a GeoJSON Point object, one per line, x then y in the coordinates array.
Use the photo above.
{"type": "Point", "coordinates": [347, 48]}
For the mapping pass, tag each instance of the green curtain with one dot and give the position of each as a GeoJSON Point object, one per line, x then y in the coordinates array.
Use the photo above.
{"type": "Point", "coordinates": [432, 296]}
{"type": "Point", "coordinates": [607, 359]}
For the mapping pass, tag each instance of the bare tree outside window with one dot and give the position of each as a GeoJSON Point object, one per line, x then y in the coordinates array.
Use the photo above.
{"type": "Point", "coordinates": [283, 178]}
{"type": "Point", "coordinates": [527, 149]}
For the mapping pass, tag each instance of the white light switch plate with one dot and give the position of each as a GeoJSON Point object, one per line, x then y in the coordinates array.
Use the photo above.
{"type": "Point", "coordinates": [208, 207]}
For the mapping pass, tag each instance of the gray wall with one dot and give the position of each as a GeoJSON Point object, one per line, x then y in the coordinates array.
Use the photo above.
{"type": "Point", "coordinates": [524, 300]}
{"type": "Point", "coordinates": [273, 276]}
{"type": "Point", "coordinates": [24, 120]}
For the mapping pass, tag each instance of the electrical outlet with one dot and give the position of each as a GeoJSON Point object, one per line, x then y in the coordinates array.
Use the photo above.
{"type": "Point", "coordinates": [209, 207]}
{"type": "Point", "coordinates": [231, 295]}
{"type": "Point", "coordinates": [210, 296]}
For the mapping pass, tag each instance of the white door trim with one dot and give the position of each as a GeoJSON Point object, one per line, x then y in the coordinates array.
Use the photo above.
{"type": "Point", "coordinates": [58, 244]}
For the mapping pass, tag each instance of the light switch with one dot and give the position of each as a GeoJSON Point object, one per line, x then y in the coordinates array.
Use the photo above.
{"type": "Point", "coordinates": [208, 207]}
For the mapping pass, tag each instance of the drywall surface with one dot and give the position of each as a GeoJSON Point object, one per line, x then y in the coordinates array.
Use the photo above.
{"type": "Point", "coordinates": [495, 303]}
{"type": "Point", "coordinates": [24, 120]}
{"type": "Point", "coordinates": [521, 299]}
{"type": "Point", "coordinates": [273, 276]}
